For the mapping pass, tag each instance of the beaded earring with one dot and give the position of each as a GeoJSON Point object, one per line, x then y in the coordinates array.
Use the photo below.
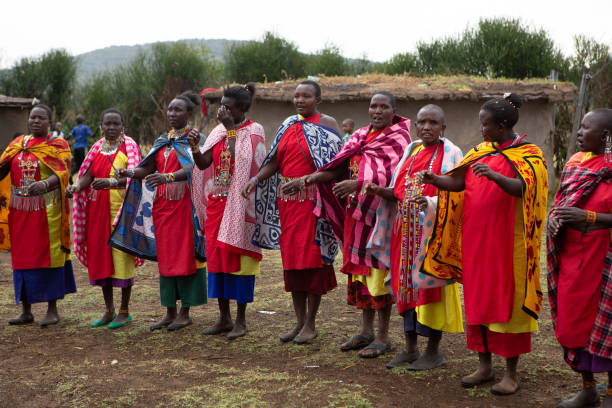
{"type": "Point", "coordinates": [608, 149]}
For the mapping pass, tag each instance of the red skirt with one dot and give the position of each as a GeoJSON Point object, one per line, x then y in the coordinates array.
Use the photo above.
{"type": "Point", "coordinates": [358, 296]}
{"type": "Point", "coordinates": [507, 345]}
{"type": "Point", "coordinates": [298, 227]}
{"type": "Point", "coordinates": [317, 280]}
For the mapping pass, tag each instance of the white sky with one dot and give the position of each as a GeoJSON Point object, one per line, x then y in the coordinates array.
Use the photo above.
{"type": "Point", "coordinates": [377, 29]}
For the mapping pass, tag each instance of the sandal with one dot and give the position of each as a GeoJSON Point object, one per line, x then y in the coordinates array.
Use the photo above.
{"type": "Point", "coordinates": [356, 342]}
{"type": "Point", "coordinates": [377, 350]}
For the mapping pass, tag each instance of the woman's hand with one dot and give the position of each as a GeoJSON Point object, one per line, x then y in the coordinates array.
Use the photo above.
{"type": "Point", "coordinates": [481, 169]}
{"type": "Point", "coordinates": [101, 184]}
{"type": "Point", "coordinates": [37, 188]}
{"type": "Point", "coordinates": [420, 200]}
{"type": "Point", "coordinates": [248, 188]}
{"type": "Point", "coordinates": [426, 177]}
{"type": "Point", "coordinates": [155, 179]}
{"type": "Point", "coordinates": [370, 189]}
{"type": "Point", "coordinates": [571, 215]}
{"type": "Point", "coordinates": [193, 138]}
{"type": "Point", "coordinates": [345, 188]}
{"type": "Point", "coordinates": [121, 172]}
{"type": "Point", "coordinates": [553, 226]}
{"type": "Point", "coordinates": [294, 186]}
{"type": "Point", "coordinates": [71, 189]}
{"type": "Point", "coordinates": [225, 117]}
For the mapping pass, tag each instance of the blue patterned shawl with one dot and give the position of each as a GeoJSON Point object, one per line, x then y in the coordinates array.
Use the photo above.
{"type": "Point", "coordinates": [134, 231]}
{"type": "Point", "coordinates": [323, 144]}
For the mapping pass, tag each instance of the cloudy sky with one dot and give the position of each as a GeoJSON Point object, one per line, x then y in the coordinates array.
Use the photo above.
{"type": "Point", "coordinates": [376, 29]}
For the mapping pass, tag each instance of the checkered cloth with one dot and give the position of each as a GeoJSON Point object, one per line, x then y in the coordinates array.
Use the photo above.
{"type": "Point", "coordinates": [577, 183]}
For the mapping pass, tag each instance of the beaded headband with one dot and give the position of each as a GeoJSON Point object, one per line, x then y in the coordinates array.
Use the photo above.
{"type": "Point", "coordinates": [507, 99]}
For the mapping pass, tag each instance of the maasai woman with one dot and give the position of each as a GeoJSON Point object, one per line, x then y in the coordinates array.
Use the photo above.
{"type": "Point", "coordinates": [427, 310]}
{"type": "Point", "coordinates": [580, 258]}
{"type": "Point", "coordinates": [98, 196]}
{"type": "Point", "coordinates": [158, 220]}
{"type": "Point", "coordinates": [487, 234]}
{"type": "Point", "coordinates": [235, 148]}
{"type": "Point", "coordinates": [369, 155]}
{"type": "Point", "coordinates": [284, 217]}
{"type": "Point", "coordinates": [39, 217]}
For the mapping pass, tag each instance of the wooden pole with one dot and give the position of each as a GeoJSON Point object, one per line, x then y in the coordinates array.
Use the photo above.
{"type": "Point", "coordinates": [571, 143]}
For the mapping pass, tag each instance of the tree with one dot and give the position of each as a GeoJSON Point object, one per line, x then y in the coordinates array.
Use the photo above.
{"type": "Point", "coordinates": [497, 48]}
{"type": "Point", "coordinates": [402, 63]}
{"type": "Point", "coordinates": [327, 61]}
{"type": "Point", "coordinates": [271, 59]}
{"type": "Point", "coordinates": [50, 78]}
{"type": "Point", "coordinates": [143, 88]}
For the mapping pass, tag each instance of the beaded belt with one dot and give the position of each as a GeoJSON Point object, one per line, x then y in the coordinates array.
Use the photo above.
{"type": "Point", "coordinates": [172, 191]}
{"type": "Point", "coordinates": [308, 193]}
{"type": "Point", "coordinates": [32, 203]}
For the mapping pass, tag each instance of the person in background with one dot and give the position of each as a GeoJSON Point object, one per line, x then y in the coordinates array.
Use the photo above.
{"type": "Point", "coordinates": [57, 130]}
{"type": "Point", "coordinates": [80, 133]}
{"type": "Point", "coordinates": [348, 127]}
{"type": "Point", "coordinates": [579, 254]}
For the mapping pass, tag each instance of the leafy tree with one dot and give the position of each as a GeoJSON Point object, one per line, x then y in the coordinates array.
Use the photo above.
{"type": "Point", "coordinates": [271, 59]}
{"type": "Point", "coordinates": [50, 78]}
{"type": "Point", "coordinates": [327, 61]}
{"type": "Point", "coordinates": [402, 63]}
{"type": "Point", "coordinates": [143, 88]}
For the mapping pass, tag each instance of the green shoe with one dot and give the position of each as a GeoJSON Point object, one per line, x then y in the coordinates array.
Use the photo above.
{"type": "Point", "coordinates": [116, 325]}
{"type": "Point", "coordinates": [98, 323]}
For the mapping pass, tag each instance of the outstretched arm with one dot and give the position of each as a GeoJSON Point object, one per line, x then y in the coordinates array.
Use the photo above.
{"type": "Point", "coordinates": [264, 173]}
{"type": "Point", "coordinates": [512, 186]}
{"type": "Point", "coordinates": [451, 182]}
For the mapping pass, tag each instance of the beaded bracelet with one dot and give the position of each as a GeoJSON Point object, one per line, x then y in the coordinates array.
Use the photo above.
{"type": "Point", "coordinates": [591, 217]}
{"type": "Point", "coordinates": [230, 134]}
{"type": "Point", "coordinates": [170, 177]}
{"type": "Point", "coordinates": [130, 173]}
{"type": "Point", "coordinates": [254, 179]}
{"type": "Point", "coordinates": [46, 183]}
{"type": "Point", "coordinates": [194, 149]}
{"type": "Point", "coordinates": [113, 182]}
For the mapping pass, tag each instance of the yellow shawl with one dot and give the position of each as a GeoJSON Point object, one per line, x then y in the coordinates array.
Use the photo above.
{"type": "Point", "coordinates": [53, 153]}
{"type": "Point", "coordinates": [443, 258]}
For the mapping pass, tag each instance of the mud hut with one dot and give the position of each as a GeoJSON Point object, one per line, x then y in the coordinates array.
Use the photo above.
{"type": "Point", "coordinates": [460, 97]}
{"type": "Point", "coordinates": [14, 114]}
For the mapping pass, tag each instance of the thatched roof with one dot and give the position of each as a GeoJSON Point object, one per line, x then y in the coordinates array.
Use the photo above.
{"type": "Point", "coordinates": [406, 88]}
{"type": "Point", "coordinates": [11, 102]}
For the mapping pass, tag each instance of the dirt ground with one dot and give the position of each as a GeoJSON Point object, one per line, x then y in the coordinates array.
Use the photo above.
{"type": "Point", "coordinates": [73, 365]}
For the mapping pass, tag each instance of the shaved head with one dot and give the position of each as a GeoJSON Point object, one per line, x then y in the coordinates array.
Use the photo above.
{"type": "Point", "coordinates": [432, 108]}
{"type": "Point", "coordinates": [602, 117]}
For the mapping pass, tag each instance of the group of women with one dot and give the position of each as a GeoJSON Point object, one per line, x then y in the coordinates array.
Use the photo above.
{"type": "Point", "coordinates": [412, 217]}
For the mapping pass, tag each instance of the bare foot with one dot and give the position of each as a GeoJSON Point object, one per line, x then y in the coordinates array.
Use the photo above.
{"type": "Point", "coordinates": [479, 376]}
{"type": "Point", "coordinates": [23, 318]}
{"type": "Point", "coordinates": [291, 335]}
{"type": "Point", "coordinates": [239, 330]}
{"type": "Point", "coordinates": [428, 361]}
{"type": "Point", "coordinates": [507, 386]}
{"type": "Point", "coordinates": [220, 326]}
{"type": "Point", "coordinates": [165, 322]}
{"type": "Point", "coordinates": [306, 335]}
{"type": "Point", "coordinates": [588, 397]}
{"type": "Point", "coordinates": [50, 318]}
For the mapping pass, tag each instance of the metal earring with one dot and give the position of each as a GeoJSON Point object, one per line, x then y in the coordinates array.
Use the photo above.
{"type": "Point", "coordinates": [608, 149]}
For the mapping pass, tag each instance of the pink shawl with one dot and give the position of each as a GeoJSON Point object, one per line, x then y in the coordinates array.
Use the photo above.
{"type": "Point", "coordinates": [238, 223]}
{"type": "Point", "coordinates": [379, 158]}
{"type": "Point", "coordinates": [79, 201]}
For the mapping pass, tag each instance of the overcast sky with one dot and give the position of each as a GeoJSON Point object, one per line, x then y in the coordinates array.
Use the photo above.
{"type": "Point", "coordinates": [377, 29]}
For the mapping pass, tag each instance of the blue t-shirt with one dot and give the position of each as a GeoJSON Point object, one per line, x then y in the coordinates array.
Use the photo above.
{"type": "Point", "coordinates": [80, 133]}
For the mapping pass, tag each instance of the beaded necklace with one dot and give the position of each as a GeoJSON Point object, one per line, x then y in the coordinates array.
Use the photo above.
{"type": "Point", "coordinates": [109, 147]}
{"type": "Point", "coordinates": [411, 229]}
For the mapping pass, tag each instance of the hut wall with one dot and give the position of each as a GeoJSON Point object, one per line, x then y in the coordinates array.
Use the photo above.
{"type": "Point", "coordinates": [462, 124]}
{"type": "Point", "coordinates": [12, 120]}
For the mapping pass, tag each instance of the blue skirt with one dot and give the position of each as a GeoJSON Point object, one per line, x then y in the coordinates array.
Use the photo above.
{"type": "Point", "coordinates": [43, 284]}
{"type": "Point", "coordinates": [229, 286]}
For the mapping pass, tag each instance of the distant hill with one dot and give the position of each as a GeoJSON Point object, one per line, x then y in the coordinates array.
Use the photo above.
{"type": "Point", "coordinates": [109, 58]}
